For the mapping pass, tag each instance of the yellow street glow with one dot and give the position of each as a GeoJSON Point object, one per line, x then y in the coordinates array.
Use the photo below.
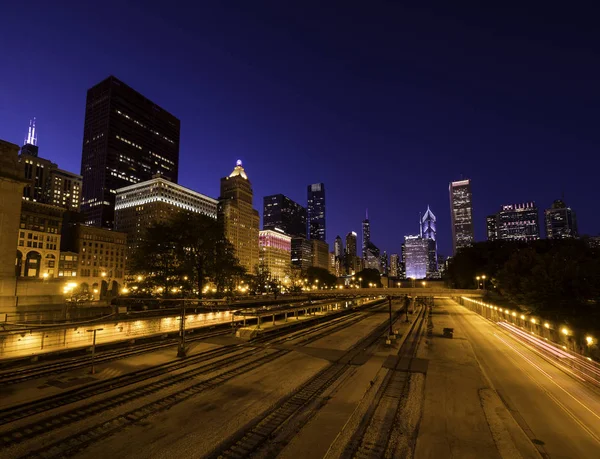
{"type": "Point", "coordinates": [564, 331]}
{"type": "Point", "coordinates": [589, 340]}
{"type": "Point", "coordinates": [546, 324]}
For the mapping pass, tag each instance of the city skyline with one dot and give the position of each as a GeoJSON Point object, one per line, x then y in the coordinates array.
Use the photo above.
{"type": "Point", "coordinates": [287, 149]}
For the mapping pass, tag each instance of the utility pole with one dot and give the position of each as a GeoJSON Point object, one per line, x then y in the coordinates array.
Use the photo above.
{"type": "Point", "coordinates": [94, 346]}
{"type": "Point", "coordinates": [390, 301]}
{"type": "Point", "coordinates": [181, 349]}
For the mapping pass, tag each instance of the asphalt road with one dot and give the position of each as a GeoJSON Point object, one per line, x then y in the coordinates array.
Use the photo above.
{"type": "Point", "coordinates": [560, 414]}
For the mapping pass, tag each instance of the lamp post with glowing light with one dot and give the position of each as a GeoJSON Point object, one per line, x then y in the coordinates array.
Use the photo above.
{"type": "Point", "coordinates": [478, 279]}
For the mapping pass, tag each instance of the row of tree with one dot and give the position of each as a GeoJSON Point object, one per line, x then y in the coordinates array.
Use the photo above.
{"type": "Point", "coordinates": [556, 279]}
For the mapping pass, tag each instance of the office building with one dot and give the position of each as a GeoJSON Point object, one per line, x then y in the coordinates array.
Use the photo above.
{"type": "Point", "coordinates": [316, 212]}
{"type": "Point", "coordinates": [351, 258]}
{"type": "Point", "coordinates": [153, 201]}
{"type": "Point", "coordinates": [518, 222]}
{"type": "Point", "coordinates": [593, 242]}
{"type": "Point", "coordinates": [338, 247]}
{"type": "Point", "coordinates": [334, 266]}
{"type": "Point", "coordinates": [366, 234]}
{"type": "Point", "coordinates": [319, 252]}
{"type": "Point", "coordinates": [372, 258]}
{"type": "Point", "coordinates": [65, 190]}
{"type": "Point", "coordinates": [395, 265]}
{"type": "Point", "coordinates": [384, 264]}
{"type": "Point", "coordinates": [275, 253]}
{"type": "Point", "coordinates": [301, 253]}
{"type": "Point", "coordinates": [561, 221]}
{"type": "Point", "coordinates": [490, 225]}
{"type": "Point", "coordinates": [281, 212]}
{"type": "Point", "coordinates": [38, 244]}
{"type": "Point", "coordinates": [127, 139]}
{"type": "Point", "coordinates": [417, 257]}
{"type": "Point", "coordinates": [240, 220]}
{"type": "Point", "coordinates": [461, 213]}
{"type": "Point", "coordinates": [429, 233]}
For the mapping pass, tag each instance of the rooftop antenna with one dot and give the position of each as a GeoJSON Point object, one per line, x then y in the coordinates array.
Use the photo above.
{"type": "Point", "coordinates": [367, 213]}
{"type": "Point", "coordinates": [31, 138]}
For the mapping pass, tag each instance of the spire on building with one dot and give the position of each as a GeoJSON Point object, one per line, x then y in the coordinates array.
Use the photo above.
{"type": "Point", "coordinates": [239, 170]}
{"type": "Point", "coordinates": [31, 138]}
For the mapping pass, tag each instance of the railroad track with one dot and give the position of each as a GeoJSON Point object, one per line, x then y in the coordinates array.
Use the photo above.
{"type": "Point", "coordinates": [372, 438]}
{"type": "Point", "coordinates": [257, 438]}
{"type": "Point", "coordinates": [244, 361]}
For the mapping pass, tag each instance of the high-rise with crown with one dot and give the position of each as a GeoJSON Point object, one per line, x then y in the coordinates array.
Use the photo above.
{"type": "Point", "coordinates": [239, 219]}
{"type": "Point", "coordinates": [127, 139]}
{"type": "Point", "coordinates": [518, 222]}
{"type": "Point", "coordinates": [316, 211]}
{"type": "Point", "coordinates": [561, 221]}
{"type": "Point", "coordinates": [461, 213]}
{"type": "Point", "coordinates": [428, 233]}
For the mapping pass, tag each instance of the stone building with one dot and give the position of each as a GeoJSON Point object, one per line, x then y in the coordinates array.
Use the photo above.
{"type": "Point", "coordinates": [275, 253]}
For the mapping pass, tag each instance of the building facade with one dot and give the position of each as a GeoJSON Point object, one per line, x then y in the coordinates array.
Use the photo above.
{"type": "Point", "coordinates": [366, 234]}
{"type": "Point", "coordinates": [153, 201]}
{"type": "Point", "coordinates": [350, 255]}
{"type": "Point", "coordinates": [281, 212]}
{"type": "Point", "coordinates": [240, 220]}
{"type": "Point", "coordinates": [316, 212]}
{"type": "Point", "coordinates": [518, 222]}
{"type": "Point", "coordinates": [417, 257]}
{"type": "Point", "coordinates": [429, 233]}
{"type": "Point", "coordinates": [38, 246]}
{"type": "Point", "coordinates": [461, 214]}
{"type": "Point", "coordinates": [490, 226]}
{"type": "Point", "coordinates": [319, 253]}
{"type": "Point", "coordinates": [301, 253]}
{"type": "Point", "coordinates": [127, 139]}
{"type": "Point", "coordinates": [275, 253]}
{"type": "Point", "coordinates": [395, 265]}
{"type": "Point", "coordinates": [561, 221]}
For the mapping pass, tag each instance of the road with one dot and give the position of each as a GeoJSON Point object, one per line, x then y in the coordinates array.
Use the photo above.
{"type": "Point", "coordinates": [560, 414]}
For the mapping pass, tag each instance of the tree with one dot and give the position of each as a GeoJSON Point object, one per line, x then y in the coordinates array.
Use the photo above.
{"type": "Point", "coordinates": [322, 275]}
{"type": "Point", "coordinates": [369, 276]}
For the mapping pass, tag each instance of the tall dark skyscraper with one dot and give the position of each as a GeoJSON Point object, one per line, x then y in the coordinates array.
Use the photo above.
{"type": "Point", "coordinates": [490, 225]}
{"type": "Point", "coordinates": [561, 221]}
{"type": "Point", "coordinates": [366, 234]}
{"type": "Point", "coordinates": [338, 247]}
{"type": "Point", "coordinates": [351, 258]}
{"type": "Point", "coordinates": [127, 139]}
{"type": "Point", "coordinates": [316, 211]}
{"type": "Point", "coordinates": [281, 212]}
{"type": "Point", "coordinates": [461, 212]}
{"type": "Point", "coordinates": [518, 222]}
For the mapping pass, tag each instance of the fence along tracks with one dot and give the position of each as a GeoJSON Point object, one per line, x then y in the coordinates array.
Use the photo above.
{"type": "Point", "coordinates": [245, 361]}
{"type": "Point", "coordinates": [256, 439]}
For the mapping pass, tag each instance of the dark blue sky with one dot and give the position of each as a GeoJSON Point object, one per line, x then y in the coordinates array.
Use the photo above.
{"type": "Point", "coordinates": [383, 103]}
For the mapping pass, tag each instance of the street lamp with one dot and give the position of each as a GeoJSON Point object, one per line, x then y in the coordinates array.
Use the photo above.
{"type": "Point", "coordinates": [478, 278]}
{"type": "Point", "coordinates": [589, 340]}
{"type": "Point", "coordinates": [94, 330]}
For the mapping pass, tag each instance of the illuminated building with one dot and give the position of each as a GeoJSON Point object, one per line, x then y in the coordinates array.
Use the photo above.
{"type": "Point", "coordinates": [351, 258]}
{"type": "Point", "coordinates": [461, 212]}
{"type": "Point", "coordinates": [301, 253]}
{"type": "Point", "coordinates": [334, 266]}
{"type": "Point", "coordinates": [152, 201]}
{"type": "Point", "coordinates": [372, 258]}
{"type": "Point", "coordinates": [366, 234]}
{"type": "Point", "coordinates": [384, 263]}
{"type": "Point", "coordinates": [240, 220]}
{"type": "Point", "coordinates": [416, 250]}
{"type": "Point", "coordinates": [394, 265]}
{"type": "Point", "coordinates": [338, 247]}
{"type": "Point", "coordinates": [490, 225]}
{"type": "Point", "coordinates": [316, 212]}
{"type": "Point", "coordinates": [518, 222]}
{"type": "Point", "coordinates": [561, 221]}
{"type": "Point", "coordinates": [275, 253]}
{"type": "Point", "coordinates": [319, 254]}
{"type": "Point", "coordinates": [281, 212]}
{"type": "Point", "coordinates": [127, 139]}
{"type": "Point", "coordinates": [429, 232]}
{"type": "Point", "coordinates": [38, 245]}
{"type": "Point", "coordinates": [65, 189]}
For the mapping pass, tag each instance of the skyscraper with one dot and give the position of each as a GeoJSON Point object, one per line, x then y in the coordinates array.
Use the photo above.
{"type": "Point", "coordinates": [490, 225]}
{"type": "Point", "coordinates": [351, 265]}
{"type": "Point", "coordinates": [366, 234]}
{"type": "Point", "coordinates": [240, 220]}
{"type": "Point", "coordinates": [281, 212]}
{"type": "Point", "coordinates": [461, 213]}
{"type": "Point", "coordinates": [275, 253]}
{"type": "Point", "coordinates": [518, 222]}
{"type": "Point", "coordinates": [416, 253]}
{"type": "Point", "coordinates": [384, 264]}
{"type": "Point", "coordinates": [429, 232]}
{"type": "Point", "coordinates": [127, 139]}
{"type": "Point", "coordinates": [561, 221]}
{"type": "Point", "coordinates": [338, 247]}
{"type": "Point", "coordinates": [316, 211]}
{"type": "Point", "coordinates": [394, 265]}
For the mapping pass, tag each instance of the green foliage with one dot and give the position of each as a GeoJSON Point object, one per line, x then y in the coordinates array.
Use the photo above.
{"type": "Point", "coordinates": [186, 252]}
{"type": "Point", "coordinates": [369, 276]}
{"type": "Point", "coordinates": [559, 280]}
{"type": "Point", "coordinates": [323, 276]}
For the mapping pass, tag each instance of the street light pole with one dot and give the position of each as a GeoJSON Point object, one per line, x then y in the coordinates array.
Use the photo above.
{"type": "Point", "coordinates": [181, 349]}
{"type": "Point", "coordinates": [390, 302]}
{"type": "Point", "coordinates": [483, 277]}
{"type": "Point", "coordinates": [94, 346]}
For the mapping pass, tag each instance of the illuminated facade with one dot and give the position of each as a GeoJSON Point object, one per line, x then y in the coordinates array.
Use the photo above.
{"type": "Point", "coordinates": [561, 221]}
{"type": "Point", "coordinates": [157, 200]}
{"type": "Point", "coordinates": [316, 212]}
{"type": "Point", "coordinates": [319, 254]}
{"type": "Point", "coordinates": [366, 234]}
{"type": "Point", "coordinates": [275, 253]}
{"type": "Point", "coordinates": [281, 212]}
{"type": "Point", "coordinates": [518, 222]}
{"type": "Point", "coordinates": [416, 252]}
{"type": "Point", "coordinates": [394, 265]}
{"type": "Point", "coordinates": [38, 245]}
{"type": "Point", "coordinates": [429, 233]}
{"type": "Point", "coordinates": [351, 258]}
{"type": "Point", "coordinates": [65, 189]}
{"type": "Point", "coordinates": [490, 226]}
{"type": "Point", "coordinates": [461, 213]}
{"type": "Point", "coordinates": [127, 139]}
{"type": "Point", "coordinates": [240, 220]}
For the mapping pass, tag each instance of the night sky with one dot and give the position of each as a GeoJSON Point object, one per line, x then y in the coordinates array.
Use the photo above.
{"type": "Point", "coordinates": [385, 104]}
